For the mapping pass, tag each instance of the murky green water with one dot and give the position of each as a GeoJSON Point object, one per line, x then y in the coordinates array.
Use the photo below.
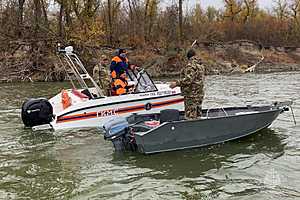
{"type": "Point", "coordinates": [81, 165]}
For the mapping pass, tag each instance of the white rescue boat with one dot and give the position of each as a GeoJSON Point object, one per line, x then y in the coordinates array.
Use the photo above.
{"type": "Point", "coordinates": [85, 106]}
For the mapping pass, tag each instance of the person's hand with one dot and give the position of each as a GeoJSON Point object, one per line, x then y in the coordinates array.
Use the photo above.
{"type": "Point", "coordinates": [133, 67]}
{"type": "Point", "coordinates": [137, 67]}
{"type": "Point", "coordinates": [173, 85]}
{"type": "Point", "coordinates": [131, 89]}
{"type": "Point", "coordinates": [131, 84]}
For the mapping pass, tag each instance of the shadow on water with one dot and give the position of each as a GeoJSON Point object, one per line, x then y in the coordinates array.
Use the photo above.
{"type": "Point", "coordinates": [194, 162]}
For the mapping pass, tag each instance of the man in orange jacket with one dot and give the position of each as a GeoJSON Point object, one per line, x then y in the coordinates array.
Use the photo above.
{"type": "Point", "coordinates": [120, 84]}
{"type": "Point", "coordinates": [120, 62]}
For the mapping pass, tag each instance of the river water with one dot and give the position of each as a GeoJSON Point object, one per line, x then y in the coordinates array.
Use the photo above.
{"type": "Point", "coordinates": [79, 164]}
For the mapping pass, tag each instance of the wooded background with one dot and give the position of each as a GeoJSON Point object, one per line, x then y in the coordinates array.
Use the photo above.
{"type": "Point", "coordinates": [141, 23]}
{"type": "Point", "coordinates": [36, 26]}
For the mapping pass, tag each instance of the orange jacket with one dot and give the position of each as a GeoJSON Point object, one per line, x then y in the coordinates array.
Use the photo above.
{"type": "Point", "coordinates": [117, 64]}
{"type": "Point", "coordinates": [120, 87]}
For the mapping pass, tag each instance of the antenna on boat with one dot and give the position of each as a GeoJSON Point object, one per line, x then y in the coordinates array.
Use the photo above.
{"type": "Point", "coordinates": [293, 115]}
{"type": "Point", "coordinates": [286, 105]}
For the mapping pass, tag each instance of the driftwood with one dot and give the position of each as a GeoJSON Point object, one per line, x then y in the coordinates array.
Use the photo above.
{"type": "Point", "coordinates": [252, 68]}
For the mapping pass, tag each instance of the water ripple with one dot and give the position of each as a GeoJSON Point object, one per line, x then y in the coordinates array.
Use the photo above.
{"type": "Point", "coordinates": [79, 164]}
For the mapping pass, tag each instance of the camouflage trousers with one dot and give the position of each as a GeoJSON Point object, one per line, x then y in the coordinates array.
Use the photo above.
{"type": "Point", "coordinates": [105, 84]}
{"type": "Point", "coordinates": [193, 107]}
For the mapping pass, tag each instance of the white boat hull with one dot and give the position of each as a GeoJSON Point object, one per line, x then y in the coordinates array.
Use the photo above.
{"type": "Point", "coordinates": [88, 107]}
{"type": "Point", "coordinates": [96, 112]}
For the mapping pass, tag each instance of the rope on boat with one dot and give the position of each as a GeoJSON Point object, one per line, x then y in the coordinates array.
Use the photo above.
{"type": "Point", "coordinates": [293, 115]}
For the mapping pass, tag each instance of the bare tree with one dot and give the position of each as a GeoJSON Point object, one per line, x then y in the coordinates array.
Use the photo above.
{"type": "Point", "coordinates": [249, 9]}
{"type": "Point", "coordinates": [45, 14]}
{"type": "Point", "coordinates": [110, 26]}
{"type": "Point", "coordinates": [281, 9]}
{"type": "Point", "coordinates": [60, 27]}
{"type": "Point", "coordinates": [146, 18]}
{"type": "Point", "coordinates": [180, 20]}
{"type": "Point", "coordinates": [37, 15]}
{"type": "Point", "coordinates": [20, 16]}
{"type": "Point", "coordinates": [295, 10]}
{"type": "Point", "coordinates": [233, 8]}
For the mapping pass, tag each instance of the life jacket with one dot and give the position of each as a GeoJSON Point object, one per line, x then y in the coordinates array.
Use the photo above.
{"type": "Point", "coordinates": [116, 65]}
{"type": "Point", "coordinates": [119, 87]}
{"type": "Point", "coordinates": [65, 99]}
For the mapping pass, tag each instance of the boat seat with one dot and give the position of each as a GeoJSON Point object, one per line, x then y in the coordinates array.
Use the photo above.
{"type": "Point", "coordinates": [169, 115]}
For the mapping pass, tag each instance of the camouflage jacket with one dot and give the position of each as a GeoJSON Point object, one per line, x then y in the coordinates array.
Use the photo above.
{"type": "Point", "coordinates": [101, 75]}
{"type": "Point", "coordinates": [191, 79]}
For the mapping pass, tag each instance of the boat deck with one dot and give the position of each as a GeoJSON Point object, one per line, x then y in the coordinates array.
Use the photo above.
{"type": "Point", "coordinates": [207, 113]}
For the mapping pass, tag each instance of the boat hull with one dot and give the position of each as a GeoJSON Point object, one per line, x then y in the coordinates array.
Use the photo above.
{"type": "Point", "coordinates": [95, 113]}
{"type": "Point", "coordinates": [178, 135]}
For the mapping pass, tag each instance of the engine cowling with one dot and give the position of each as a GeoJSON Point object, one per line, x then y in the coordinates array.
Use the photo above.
{"type": "Point", "coordinates": [37, 112]}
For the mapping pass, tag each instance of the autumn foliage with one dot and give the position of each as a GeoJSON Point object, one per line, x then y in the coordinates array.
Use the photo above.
{"type": "Point", "coordinates": [147, 22]}
{"type": "Point", "coordinates": [38, 25]}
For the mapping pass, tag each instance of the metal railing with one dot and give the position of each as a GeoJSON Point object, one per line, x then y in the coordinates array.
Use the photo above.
{"type": "Point", "coordinates": [78, 70]}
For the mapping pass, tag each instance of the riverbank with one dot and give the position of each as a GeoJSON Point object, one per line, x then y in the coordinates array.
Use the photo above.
{"type": "Point", "coordinates": [234, 58]}
{"type": "Point", "coordinates": [25, 64]}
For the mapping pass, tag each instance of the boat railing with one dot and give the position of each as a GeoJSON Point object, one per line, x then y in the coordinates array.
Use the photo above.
{"type": "Point", "coordinates": [207, 112]}
{"type": "Point", "coordinates": [224, 111]}
{"type": "Point", "coordinates": [78, 70]}
{"type": "Point", "coordinates": [143, 82]}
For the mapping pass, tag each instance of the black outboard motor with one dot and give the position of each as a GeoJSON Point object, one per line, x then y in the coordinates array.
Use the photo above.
{"type": "Point", "coordinates": [37, 112]}
{"type": "Point", "coordinates": [119, 133]}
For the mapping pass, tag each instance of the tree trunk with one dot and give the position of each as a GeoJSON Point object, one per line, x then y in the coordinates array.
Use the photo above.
{"type": "Point", "coordinates": [131, 18]}
{"type": "Point", "coordinates": [180, 22]}
{"type": "Point", "coordinates": [67, 13]}
{"type": "Point", "coordinates": [146, 20]}
{"type": "Point", "coordinates": [88, 9]}
{"type": "Point", "coordinates": [37, 16]}
{"type": "Point", "coordinates": [60, 20]}
{"type": "Point", "coordinates": [20, 17]}
{"type": "Point", "coordinates": [151, 16]}
{"type": "Point", "coordinates": [110, 26]}
{"type": "Point", "coordinates": [46, 22]}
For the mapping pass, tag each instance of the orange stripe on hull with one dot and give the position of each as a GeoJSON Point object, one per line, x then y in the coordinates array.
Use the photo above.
{"type": "Point", "coordinates": [128, 109]}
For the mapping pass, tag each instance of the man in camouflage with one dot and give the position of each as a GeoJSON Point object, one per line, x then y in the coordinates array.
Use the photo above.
{"type": "Point", "coordinates": [191, 83]}
{"type": "Point", "coordinates": [101, 75]}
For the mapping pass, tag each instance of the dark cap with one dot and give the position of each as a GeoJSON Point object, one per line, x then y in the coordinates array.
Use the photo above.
{"type": "Point", "coordinates": [190, 53]}
{"type": "Point", "coordinates": [121, 51]}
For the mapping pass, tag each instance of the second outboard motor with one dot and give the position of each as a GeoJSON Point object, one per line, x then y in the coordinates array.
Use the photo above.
{"type": "Point", "coordinates": [37, 112]}
{"type": "Point", "coordinates": [118, 132]}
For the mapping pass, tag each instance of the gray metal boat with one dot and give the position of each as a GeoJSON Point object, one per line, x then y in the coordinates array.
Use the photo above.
{"type": "Point", "coordinates": [169, 131]}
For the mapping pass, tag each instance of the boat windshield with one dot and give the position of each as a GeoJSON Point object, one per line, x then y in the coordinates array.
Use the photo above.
{"type": "Point", "coordinates": [143, 81]}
